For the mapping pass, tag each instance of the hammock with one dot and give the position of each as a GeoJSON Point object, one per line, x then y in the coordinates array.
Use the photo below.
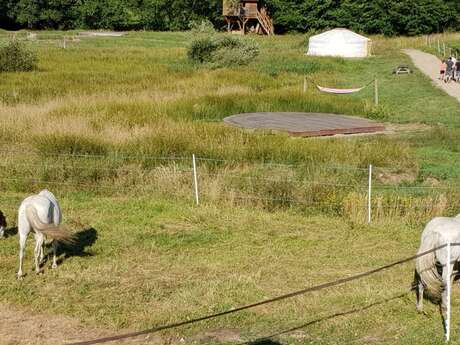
{"type": "Point", "coordinates": [341, 91]}
{"type": "Point", "coordinates": [338, 91]}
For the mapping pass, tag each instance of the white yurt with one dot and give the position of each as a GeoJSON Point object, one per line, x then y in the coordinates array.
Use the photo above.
{"type": "Point", "coordinates": [339, 42]}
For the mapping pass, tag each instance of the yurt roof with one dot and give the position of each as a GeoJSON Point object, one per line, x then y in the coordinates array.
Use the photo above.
{"type": "Point", "coordinates": [341, 34]}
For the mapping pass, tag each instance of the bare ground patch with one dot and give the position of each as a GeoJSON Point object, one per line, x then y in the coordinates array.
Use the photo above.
{"type": "Point", "coordinates": [22, 327]}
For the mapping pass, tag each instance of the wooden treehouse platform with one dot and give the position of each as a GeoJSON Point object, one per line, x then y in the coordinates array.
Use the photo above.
{"type": "Point", "coordinates": [305, 124]}
{"type": "Point", "coordinates": [247, 17]}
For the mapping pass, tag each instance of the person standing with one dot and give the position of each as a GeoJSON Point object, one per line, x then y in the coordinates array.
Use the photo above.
{"type": "Point", "coordinates": [457, 70]}
{"type": "Point", "coordinates": [442, 70]}
{"type": "Point", "coordinates": [449, 70]}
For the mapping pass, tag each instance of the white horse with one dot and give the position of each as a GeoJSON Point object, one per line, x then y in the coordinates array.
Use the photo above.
{"type": "Point", "coordinates": [42, 214]}
{"type": "Point", "coordinates": [431, 274]}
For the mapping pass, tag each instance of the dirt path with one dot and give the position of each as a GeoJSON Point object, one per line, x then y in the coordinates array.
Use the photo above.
{"type": "Point", "coordinates": [21, 327]}
{"type": "Point", "coordinates": [429, 65]}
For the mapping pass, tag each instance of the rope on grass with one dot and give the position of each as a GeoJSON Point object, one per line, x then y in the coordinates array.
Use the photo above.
{"type": "Point", "coordinates": [253, 305]}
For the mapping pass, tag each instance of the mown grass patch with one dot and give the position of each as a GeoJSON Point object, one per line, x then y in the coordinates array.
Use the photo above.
{"type": "Point", "coordinates": [148, 253]}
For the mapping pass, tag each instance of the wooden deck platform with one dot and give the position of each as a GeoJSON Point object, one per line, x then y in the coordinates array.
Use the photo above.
{"type": "Point", "coordinates": [305, 124]}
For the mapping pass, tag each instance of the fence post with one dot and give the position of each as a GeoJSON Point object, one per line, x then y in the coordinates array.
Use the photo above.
{"type": "Point", "coordinates": [305, 85]}
{"type": "Point", "coordinates": [195, 180]}
{"type": "Point", "coordinates": [376, 92]}
{"type": "Point", "coordinates": [64, 43]}
{"type": "Point", "coordinates": [448, 287]}
{"type": "Point", "coordinates": [369, 195]}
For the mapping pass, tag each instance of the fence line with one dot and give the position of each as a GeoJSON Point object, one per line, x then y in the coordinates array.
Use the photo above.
{"type": "Point", "coordinates": [120, 156]}
{"type": "Point", "coordinates": [263, 302]}
{"type": "Point", "coordinates": [339, 201]}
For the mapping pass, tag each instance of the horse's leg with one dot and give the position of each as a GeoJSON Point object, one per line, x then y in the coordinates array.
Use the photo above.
{"type": "Point", "coordinates": [445, 280]}
{"type": "Point", "coordinates": [22, 246]}
{"type": "Point", "coordinates": [23, 230]}
{"type": "Point", "coordinates": [419, 292]}
{"type": "Point", "coordinates": [42, 252]}
{"type": "Point", "coordinates": [55, 245]}
{"type": "Point", "coordinates": [39, 239]}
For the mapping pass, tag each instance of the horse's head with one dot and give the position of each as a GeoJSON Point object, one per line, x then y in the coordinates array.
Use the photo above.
{"type": "Point", "coordinates": [2, 223]}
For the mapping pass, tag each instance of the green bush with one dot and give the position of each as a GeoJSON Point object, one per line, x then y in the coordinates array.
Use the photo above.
{"type": "Point", "coordinates": [15, 57]}
{"type": "Point", "coordinates": [201, 49]}
{"type": "Point", "coordinates": [223, 51]}
{"type": "Point", "coordinates": [203, 26]}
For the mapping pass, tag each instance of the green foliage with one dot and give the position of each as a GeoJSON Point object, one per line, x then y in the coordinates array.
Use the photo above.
{"type": "Point", "coordinates": [15, 57]}
{"type": "Point", "coordinates": [223, 51]}
{"type": "Point", "coordinates": [390, 17]}
{"type": "Point", "coordinates": [203, 26]}
{"type": "Point", "coordinates": [201, 49]}
{"type": "Point", "coordinates": [110, 14]}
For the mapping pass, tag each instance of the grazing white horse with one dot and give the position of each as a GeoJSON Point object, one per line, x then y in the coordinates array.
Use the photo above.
{"type": "Point", "coordinates": [40, 213]}
{"type": "Point", "coordinates": [431, 274]}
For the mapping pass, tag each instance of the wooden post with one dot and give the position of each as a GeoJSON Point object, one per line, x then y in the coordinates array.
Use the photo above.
{"type": "Point", "coordinates": [305, 85]}
{"type": "Point", "coordinates": [195, 180]}
{"type": "Point", "coordinates": [64, 43]}
{"type": "Point", "coordinates": [376, 92]}
{"type": "Point", "coordinates": [448, 287]}
{"type": "Point", "coordinates": [369, 196]}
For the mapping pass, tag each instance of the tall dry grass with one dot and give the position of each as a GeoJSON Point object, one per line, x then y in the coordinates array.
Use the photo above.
{"type": "Point", "coordinates": [121, 102]}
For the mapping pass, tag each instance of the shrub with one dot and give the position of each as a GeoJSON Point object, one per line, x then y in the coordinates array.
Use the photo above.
{"type": "Point", "coordinates": [223, 51]}
{"type": "Point", "coordinates": [15, 57]}
{"type": "Point", "coordinates": [201, 27]}
{"type": "Point", "coordinates": [201, 49]}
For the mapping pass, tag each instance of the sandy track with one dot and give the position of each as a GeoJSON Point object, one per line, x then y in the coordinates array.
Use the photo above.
{"type": "Point", "coordinates": [18, 326]}
{"type": "Point", "coordinates": [429, 65]}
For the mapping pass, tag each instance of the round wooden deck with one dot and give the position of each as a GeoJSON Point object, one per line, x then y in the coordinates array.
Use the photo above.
{"type": "Point", "coordinates": [305, 124]}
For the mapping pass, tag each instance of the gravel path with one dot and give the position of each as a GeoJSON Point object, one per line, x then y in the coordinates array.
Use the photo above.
{"type": "Point", "coordinates": [429, 65]}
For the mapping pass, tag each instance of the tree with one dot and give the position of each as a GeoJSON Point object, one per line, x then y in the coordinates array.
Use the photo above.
{"type": "Point", "coordinates": [39, 14]}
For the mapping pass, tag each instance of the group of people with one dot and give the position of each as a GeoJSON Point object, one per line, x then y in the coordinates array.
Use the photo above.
{"type": "Point", "coordinates": [450, 70]}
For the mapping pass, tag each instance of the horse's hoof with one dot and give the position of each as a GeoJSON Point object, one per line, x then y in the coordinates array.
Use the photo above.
{"type": "Point", "coordinates": [54, 266]}
{"type": "Point", "coordinates": [20, 276]}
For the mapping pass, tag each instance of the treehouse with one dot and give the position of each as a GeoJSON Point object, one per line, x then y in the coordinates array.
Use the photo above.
{"type": "Point", "coordinates": [247, 16]}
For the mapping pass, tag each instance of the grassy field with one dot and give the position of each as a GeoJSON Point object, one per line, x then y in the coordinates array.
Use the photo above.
{"type": "Point", "coordinates": [99, 124]}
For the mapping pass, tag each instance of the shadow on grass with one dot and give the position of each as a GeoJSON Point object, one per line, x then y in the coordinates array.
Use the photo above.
{"type": "Point", "coordinates": [10, 232]}
{"type": "Point", "coordinates": [264, 342]}
{"type": "Point", "coordinates": [268, 341]}
{"type": "Point", "coordinates": [82, 240]}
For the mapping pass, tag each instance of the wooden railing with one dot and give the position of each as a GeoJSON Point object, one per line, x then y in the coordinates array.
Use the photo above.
{"type": "Point", "coordinates": [266, 22]}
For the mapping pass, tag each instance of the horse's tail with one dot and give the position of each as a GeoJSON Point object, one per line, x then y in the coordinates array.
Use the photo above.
{"type": "Point", "coordinates": [425, 266]}
{"type": "Point", "coordinates": [58, 233]}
